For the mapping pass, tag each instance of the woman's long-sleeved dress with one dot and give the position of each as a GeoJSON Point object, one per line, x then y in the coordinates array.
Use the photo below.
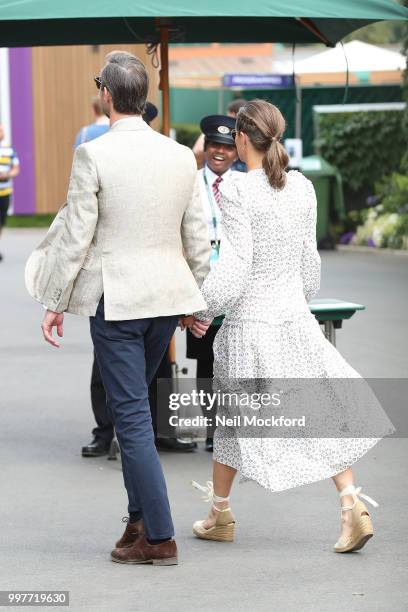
{"type": "Point", "coordinates": [268, 269]}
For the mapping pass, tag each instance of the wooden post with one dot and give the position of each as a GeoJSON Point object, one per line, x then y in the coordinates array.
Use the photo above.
{"type": "Point", "coordinates": [164, 78]}
{"type": "Point", "coordinates": [164, 86]}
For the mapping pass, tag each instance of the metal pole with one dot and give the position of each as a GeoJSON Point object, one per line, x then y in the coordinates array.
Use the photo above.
{"type": "Point", "coordinates": [221, 101]}
{"type": "Point", "coordinates": [298, 113]}
{"type": "Point", "coordinates": [330, 332]}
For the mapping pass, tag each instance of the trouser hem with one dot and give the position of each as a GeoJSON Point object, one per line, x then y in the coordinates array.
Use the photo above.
{"type": "Point", "coordinates": [165, 536]}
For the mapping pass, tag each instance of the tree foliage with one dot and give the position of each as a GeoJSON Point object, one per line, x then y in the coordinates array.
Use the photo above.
{"type": "Point", "coordinates": [364, 146]}
{"type": "Point", "coordinates": [405, 81]}
{"type": "Point", "coordinates": [381, 33]}
{"type": "Point", "coordinates": [386, 224]}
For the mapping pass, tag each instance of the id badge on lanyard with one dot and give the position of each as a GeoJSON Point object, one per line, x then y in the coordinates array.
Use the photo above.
{"type": "Point", "coordinates": [215, 253]}
{"type": "Point", "coordinates": [215, 244]}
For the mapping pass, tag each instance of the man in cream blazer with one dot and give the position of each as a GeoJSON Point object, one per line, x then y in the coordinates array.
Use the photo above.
{"type": "Point", "coordinates": [130, 250]}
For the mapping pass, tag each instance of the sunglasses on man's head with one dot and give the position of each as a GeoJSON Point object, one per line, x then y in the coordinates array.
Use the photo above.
{"type": "Point", "coordinates": [98, 82]}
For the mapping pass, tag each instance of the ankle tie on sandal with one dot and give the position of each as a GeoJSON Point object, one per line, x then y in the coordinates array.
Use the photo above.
{"type": "Point", "coordinates": [209, 495]}
{"type": "Point", "coordinates": [356, 493]}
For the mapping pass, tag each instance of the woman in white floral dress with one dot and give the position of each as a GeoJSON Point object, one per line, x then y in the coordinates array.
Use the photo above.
{"type": "Point", "coordinates": [268, 269]}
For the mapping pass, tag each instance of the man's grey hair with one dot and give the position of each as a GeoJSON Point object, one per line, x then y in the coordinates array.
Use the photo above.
{"type": "Point", "coordinates": [127, 81]}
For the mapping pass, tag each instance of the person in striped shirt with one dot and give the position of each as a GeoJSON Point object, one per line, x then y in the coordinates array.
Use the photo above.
{"type": "Point", "coordinates": [9, 168]}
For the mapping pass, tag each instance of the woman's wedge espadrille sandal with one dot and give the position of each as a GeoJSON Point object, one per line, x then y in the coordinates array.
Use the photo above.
{"type": "Point", "coordinates": [222, 528]}
{"type": "Point", "coordinates": [361, 525]}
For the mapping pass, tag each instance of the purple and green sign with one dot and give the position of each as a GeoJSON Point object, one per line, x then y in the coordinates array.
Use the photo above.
{"type": "Point", "coordinates": [258, 81]}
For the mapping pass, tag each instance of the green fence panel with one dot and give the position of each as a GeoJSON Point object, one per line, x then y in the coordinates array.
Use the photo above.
{"type": "Point", "coordinates": [190, 105]}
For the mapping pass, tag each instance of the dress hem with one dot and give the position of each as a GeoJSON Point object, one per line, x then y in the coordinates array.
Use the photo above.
{"type": "Point", "coordinates": [324, 475]}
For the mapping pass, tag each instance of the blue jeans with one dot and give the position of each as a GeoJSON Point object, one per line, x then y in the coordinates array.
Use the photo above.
{"type": "Point", "coordinates": [128, 354]}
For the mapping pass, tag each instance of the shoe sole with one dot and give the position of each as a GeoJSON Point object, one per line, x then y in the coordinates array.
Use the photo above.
{"type": "Point", "coordinates": [222, 533]}
{"type": "Point", "coordinates": [355, 546]}
{"type": "Point", "coordinates": [94, 454]}
{"type": "Point", "coordinates": [170, 561]}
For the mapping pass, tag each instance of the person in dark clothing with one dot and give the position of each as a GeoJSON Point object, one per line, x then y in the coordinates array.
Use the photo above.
{"type": "Point", "coordinates": [103, 433]}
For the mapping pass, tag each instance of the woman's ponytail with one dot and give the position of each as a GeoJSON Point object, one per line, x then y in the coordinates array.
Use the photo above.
{"type": "Point", "coordinates": [275, 163]}
{"type": "Point", "coordinates": [264, 124]}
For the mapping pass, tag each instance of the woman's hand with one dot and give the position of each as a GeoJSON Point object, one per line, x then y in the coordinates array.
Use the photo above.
{"type": "Point", "coordinates": [199, 328]}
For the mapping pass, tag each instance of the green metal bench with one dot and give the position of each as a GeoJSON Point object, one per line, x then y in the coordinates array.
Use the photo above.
{"type": "Point", "coordinates": [331, 313]}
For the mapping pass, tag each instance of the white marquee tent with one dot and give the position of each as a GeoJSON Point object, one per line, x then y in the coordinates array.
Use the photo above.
{"type": "Point", "coordinates": [361, 57]}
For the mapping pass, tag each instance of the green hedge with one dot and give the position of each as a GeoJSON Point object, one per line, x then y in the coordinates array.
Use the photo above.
{"type": "Point", "coordinates": [30, 220]}
{"type": "Point", "coordinates": [187, 133]}
{"type": "Point", "coordinates": [364, 146]}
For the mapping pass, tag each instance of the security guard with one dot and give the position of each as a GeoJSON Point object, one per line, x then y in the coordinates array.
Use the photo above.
{"type": "Point", "coordinates": [220, 155]}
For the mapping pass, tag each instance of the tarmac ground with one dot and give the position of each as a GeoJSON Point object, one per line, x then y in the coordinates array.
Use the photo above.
{"type": "Point", "coordinates": [62, 513]}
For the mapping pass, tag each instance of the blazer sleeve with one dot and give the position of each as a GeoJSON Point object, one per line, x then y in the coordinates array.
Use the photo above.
{"type": "Point", "coordinates": [227, 280]}
{"type": "Point", "coordinates": [310, 263]}
{"type": "Point", "coordinates": [76, 235]}
{"type": "Point", "coordinates": [195, 236]}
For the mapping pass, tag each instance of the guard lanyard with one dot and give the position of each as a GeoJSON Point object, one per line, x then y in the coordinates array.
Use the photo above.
{"type": "Point", "coordinates": [211, 200]}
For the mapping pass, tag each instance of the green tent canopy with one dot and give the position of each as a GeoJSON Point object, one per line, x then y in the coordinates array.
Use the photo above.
{"type": "Point", "coordinates": [55, 22]}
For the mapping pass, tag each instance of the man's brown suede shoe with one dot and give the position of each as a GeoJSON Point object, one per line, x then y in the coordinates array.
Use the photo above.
{"type": "Point", "coordinates": [131, 533]}
{"type": "Point", "coordinates": [143, 552]}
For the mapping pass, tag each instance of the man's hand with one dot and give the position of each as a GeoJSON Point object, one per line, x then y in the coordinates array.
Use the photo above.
{"type": "Point", "coordinates": [52, 319]}
{"type": "Point", "coordinates": [186, 322]}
